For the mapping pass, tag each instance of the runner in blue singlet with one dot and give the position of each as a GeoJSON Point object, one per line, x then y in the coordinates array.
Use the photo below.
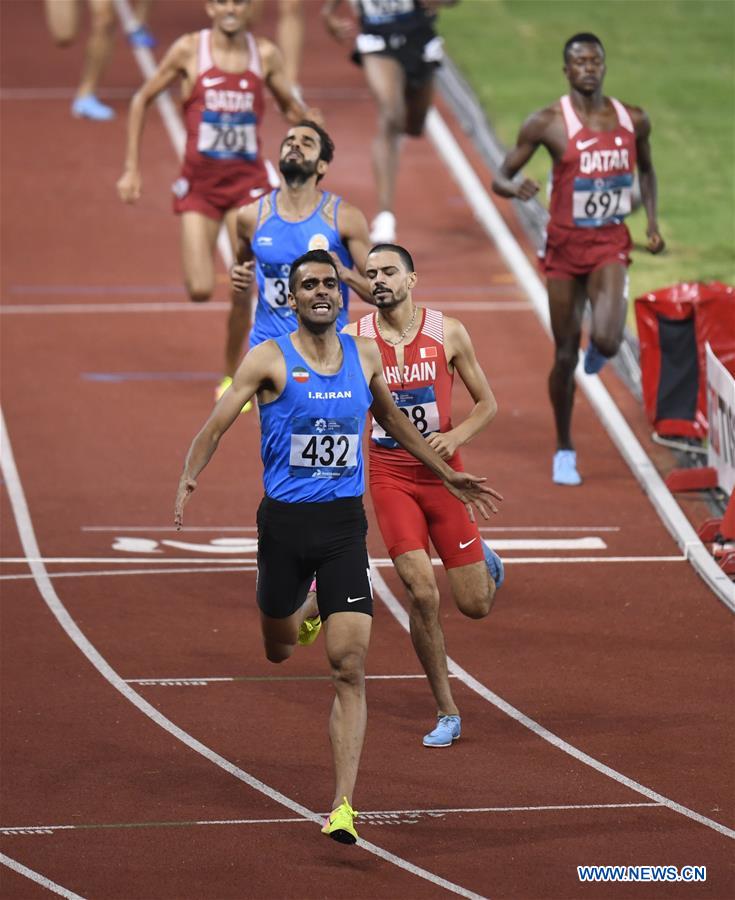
{"type": "Point", "coordinates": [291, 221]}
{"type": "Point", "coordinates": [314, 389]}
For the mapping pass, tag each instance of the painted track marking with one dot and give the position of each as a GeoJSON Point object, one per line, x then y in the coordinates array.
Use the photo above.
{"type": "Point", "coordinates": [47, 591]}
{"type": "Point", "coordinates": [378, 815]}
{"type": "Point", "coordinates": [38, 878]}
{"type": "Point", "coordinates": [389, 599]}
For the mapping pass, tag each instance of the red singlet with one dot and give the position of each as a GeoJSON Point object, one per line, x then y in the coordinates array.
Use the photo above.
{"type": "Point", "coordinates": [411, 503]}
{"type": "Point", "coordinates": [223, 167]}
{"type": "Point", "coordinates": [591, 194]}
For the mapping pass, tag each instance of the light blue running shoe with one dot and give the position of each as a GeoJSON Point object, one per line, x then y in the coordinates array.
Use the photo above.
{"type": "Point", "coordinates": [142, 37]}
{"type": "Point", "coordinates": [593, 359]}
{"type": "Point", "coordinates": [448, 730]}
{"type": "Point", "coordinates": [89, 107]}
{"type": "Point", "coordinates": [494, 565]}
{"type": "Point", "coordinates": [565, 468]}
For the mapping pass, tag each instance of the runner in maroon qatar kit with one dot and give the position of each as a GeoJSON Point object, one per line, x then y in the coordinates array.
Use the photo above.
{"type": "Point", "coordinates": [224, 71]}
{"type": "Point", "coordinates": [595, 143]}
{"type": "Point", "coordinates": [421, 349]}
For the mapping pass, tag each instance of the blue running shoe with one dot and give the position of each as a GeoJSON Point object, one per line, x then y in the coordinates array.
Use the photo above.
{"type": "Point", "coordinates": [494, 565]}
{"type": "Point", "coordinates": [448, 730]}
{"type": "Point", "coordinates": [593, 359]}
{"type": "Point", "coordinates": [142, 37]}
{"type": "Point", "coordinates": [565, 468]}
{"type": "Point", "coordinates": [89, 107]}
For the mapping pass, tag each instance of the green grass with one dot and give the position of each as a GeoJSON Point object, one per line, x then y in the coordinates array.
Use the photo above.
{"type": "Point", "coordinates": [675, 58]}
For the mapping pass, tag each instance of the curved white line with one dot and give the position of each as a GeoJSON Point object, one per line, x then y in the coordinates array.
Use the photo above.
{"type": "Point", "coordinates": [399, 613]}
{"type": "Point", "coordinates": [39, 879]}
{"type": "Point", "coordinates": [28, 540]}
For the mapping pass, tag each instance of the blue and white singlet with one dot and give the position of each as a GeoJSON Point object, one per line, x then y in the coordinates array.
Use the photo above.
{"type": "Point", "coordinates": [276, 243]}
{"type": "Point", "coordinates": [311, 441]}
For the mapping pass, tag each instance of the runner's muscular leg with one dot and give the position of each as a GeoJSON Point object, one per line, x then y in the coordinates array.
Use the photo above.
{"type": "Point", "coordinates": [566, 306]}
{"type": "Point", "coordinates": [386, 81]}
{"type": "Point", "coordinates": [280, 636]}
{"type": "Point", "coordinates": [607, 289]}
{"type": "Point", "coordinates": [347, 640]}
{"type": "Point", "coordinates": [198, 241]}
{"type": "Point", "coordinates": [473, 589]}
{"type": "Point", "coordinates": [417, 574]}
{"type": "Point", "coordinates": [99, 45]}
{"type": "Point", "coordinates": [418, 101]}
{"type": "Point", "coordinates": [238, 322]}
{"type": "Point", "coordinates": [62, 18]}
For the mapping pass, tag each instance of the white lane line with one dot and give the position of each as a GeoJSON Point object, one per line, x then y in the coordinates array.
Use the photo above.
{"type": "Point", "coordinates": [612, 419]}
{"type": "Point", "coordinates": [214, 528]}
{"type": "Point", "coordinates": [199, 570]}
{"type": "Point", "coordinates": [584, 543]}
{"type": "Point", "coordinates": [28, 540]}
{"type": "Point", "coordinates": [232, 679]}
{"type": "Point", "coordinates": [171, 528]}
{"type": "Point", "coordinates": [378, 561]}
{"type": "Point", "coordinates": [107, 560]}
{"type": "Point", "coordinates": [376, 814]}
{"type": "Point", "coordinates": [46, 309]}
{"type": "Point", "coordinates": [399, 613]}
{"type": "Point", "coordinates": [38, 878]}
{"type": "Point", "coordinates": [386, 562]}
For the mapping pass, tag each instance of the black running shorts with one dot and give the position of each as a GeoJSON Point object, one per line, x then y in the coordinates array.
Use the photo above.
{"type": "Point", "coordinates": [297, 541]}
{"type": "Point", "coordinates": [418, 52]}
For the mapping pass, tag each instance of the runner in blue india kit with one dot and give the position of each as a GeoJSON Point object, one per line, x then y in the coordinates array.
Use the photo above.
{"type": "Point", "coordinates": [596, 143]}
{"type": "Point", "coordinates": [287, 223]}
{"type": "Point", "coordinates": [314, 388]}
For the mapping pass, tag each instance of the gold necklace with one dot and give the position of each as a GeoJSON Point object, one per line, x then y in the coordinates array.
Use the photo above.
{"type": "Point", "coordinates": [403, 334]}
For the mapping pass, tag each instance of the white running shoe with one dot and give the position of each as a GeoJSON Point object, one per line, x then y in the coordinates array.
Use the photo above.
{"type": "Point", "coordinates": [383, 228]}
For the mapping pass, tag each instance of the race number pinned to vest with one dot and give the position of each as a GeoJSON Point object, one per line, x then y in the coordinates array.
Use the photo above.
{"type": "Point", "coordinates": [601, 201]}
{"type": "Point", "coordinates": [323, 448]}
{"type": "Point", "coordinates": [228, 135]}
{"type": "Point", "coordinates": [420, 408]}
{"type": "Point", "coordinates": [275, 287]}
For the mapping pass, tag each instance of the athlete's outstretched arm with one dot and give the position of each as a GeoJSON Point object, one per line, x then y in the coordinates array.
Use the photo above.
{"type": "Point", "coordinates": [528, 141]}
{"type": "Point", "coordinates": [172, 66]}
{"type": "Point", "coordinates": [466, 487]}
{"type": "Point", "coordinates": [255, 371]}
{"type": "Point", "coordinates": [461, 355]}
{"type": "Point", "coordinates": [647, 177]}
{"type": "Point", "coordinates": [294, 109]}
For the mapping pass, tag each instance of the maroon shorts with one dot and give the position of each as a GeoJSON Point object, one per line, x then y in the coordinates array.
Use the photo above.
{"type": "Point", "coordinates": [572, 252]}
{"type": "Point", "coordinates": [212, 193]}
{"type": "Point", "coordinates": [412, 505]}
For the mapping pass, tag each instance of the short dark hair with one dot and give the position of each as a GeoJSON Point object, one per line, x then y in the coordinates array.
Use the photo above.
{"type": "Point", "coordinates": [313, 256]}
{"type": "Point", "coordinates": [405, 256]}
{"type": "Point", "coordinates": [584, 37]}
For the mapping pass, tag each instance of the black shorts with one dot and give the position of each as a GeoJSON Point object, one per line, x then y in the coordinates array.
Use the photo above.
{"type": "Point", "coordinates": [297, 541]}
{"type": "Point", "coordinates": [418, 52]}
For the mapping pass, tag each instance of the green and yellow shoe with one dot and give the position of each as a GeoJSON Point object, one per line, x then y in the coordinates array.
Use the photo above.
{"type": "Point", "coordinates": [309, 630]}
{"type": "Point", "coordinates": [223, 386]}
{"type": "Point", "coordinates": [340, 824]}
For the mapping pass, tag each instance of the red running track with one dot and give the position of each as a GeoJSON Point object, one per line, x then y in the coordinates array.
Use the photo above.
{"type": "Point", "coordinates": [613, 646]}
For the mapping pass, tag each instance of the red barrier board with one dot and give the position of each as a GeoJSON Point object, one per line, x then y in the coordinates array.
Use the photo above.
{"type": "Point", "coordinates": [674, 324]}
